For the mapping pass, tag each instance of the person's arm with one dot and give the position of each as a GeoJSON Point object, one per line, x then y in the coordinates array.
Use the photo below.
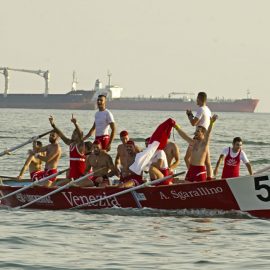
{"type": "Point", "coordinates": [249, 167]}
{"type": "Point", "coordinates": [59, 132]}
{"type": "Point", "coordinates": [25, 166]}
{"type": "Point", "coordinates": [49, 157]}
{"type": "Point", "coordinates": [183, 134]}
{"type": "Point", "coordinates": [91, 131]}
{"type": "Point", "coordinates": [209, 130]}
{"type": "Point", "coordinates": [176, 155]}
{"type": "Point", "coordinates": [193, 120]}
{"type": "Point", "coordinates": [221, 157]}
{"type": "Point", "coordinates": [87, 165]}
{"type": "Point", "coordinates": [78, 129]}
{"type": "Point", "coordinates": [112, 125]}
{"type": "Point", "coordinates": [111, 168]}
{"type": "Point", "coordinates": [117, 160]}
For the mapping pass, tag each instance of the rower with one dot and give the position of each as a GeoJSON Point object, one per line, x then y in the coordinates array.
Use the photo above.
{"type": "Point", "coordinates": [32, 163]}
{"type": "Point", "coordinates": [76, 149]}
{"type": "Point", "coordinates": [173, 155]}
{"type": "Point", "coordinates": [100, 162]}
{"type": "Point", "coordinates": [129, 178]}
{"type": "Point", "coordinates": [197, 169]}
{"type": "Point", "coordinates": [122, 154]}
{"type": "Point", "coordinates": [233, 157]}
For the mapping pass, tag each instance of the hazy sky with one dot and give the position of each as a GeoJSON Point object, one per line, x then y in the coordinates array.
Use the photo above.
{"type": "Point", "coordinates": [152, 47]}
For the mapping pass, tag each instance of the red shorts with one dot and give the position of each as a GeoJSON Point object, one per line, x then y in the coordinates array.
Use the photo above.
{"type": "Point", "coordinates": [196, 174]}
{"type": "Point", "coordinates": [46, 173]}
{"type": "Point", "coordinates": [137, 179]}
{"type": "Point", "coordinates": [104, 140]}
{"type": "Point", "coordinates": [36, 175]}
{"type": "Point", "coordinates": [166, 172]}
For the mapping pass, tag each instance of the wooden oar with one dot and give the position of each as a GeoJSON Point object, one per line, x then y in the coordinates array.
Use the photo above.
{"type": "Point", "coordinates": [59, 189]}
{"type": "Point", "coordinates": [33, 184]}
{"type": "Point", "coordinates": [13, 178]}
{"type": "Point", "coordinates": [9, 150]}
{"type": "Point", "coordinates": [262, 170]}
{"type": "Point", "coordinates": [158, 181]}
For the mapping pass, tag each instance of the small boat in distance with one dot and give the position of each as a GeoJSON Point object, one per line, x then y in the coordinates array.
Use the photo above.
{"type": "Point", "coordinates": [249, 194]}
{"type": "Point", "coordinates": [86, 99]}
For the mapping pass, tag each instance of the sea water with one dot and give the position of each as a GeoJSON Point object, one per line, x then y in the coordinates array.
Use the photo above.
{"type": "Point", "coordinates": [133, 238]}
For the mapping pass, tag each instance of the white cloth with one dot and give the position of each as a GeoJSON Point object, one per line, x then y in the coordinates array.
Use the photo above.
{"type": "Point", "coordinates": [143, 158]}
{"type": "Point", "coordinates": [243, 155]}
{"type": "Point", "coordinates": [102, 122]}
{"type": "Point", "coordinates": [204, 115]}
{"type": "Point", "coordinates": [160, 154]}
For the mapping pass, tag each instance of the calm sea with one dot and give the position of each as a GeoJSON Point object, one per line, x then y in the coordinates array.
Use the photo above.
{"type": "Point", "coordinates": [132, 239]}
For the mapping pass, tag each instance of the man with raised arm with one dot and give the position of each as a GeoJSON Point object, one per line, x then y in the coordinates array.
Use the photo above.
{"type": "Point", "coordinates": [51, 158]}
{"type": "Point", "coordinates": [32, 163]}
{"type": "Point", "coordinates": [233, 157]}
{"type": "Point", "coordinates": [197, 169]}
{"type": "Point", "coordinates": [103, 122]}
{"type": "Point", "coordinates": [101, 164]}
{"type": "Point", "coordinates": [76, 149]}
{"type": "Point", "coordinates": [202, 118]}
{"type": "Point", "coordinates": [122, 154]}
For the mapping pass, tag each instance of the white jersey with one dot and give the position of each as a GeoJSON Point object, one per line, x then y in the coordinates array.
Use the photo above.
{"type": "Point", "coordinates": [204, 115]}
{"type": "Point", "coordinates": [243, 155]}
{"type": "Point", "coordinates": [160, 154]}
{"type": "Point", "coordinates": [102, 122]}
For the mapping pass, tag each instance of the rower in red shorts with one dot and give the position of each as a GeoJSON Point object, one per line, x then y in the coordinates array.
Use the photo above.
{"type": "Point", "coordinates": [197, 169]}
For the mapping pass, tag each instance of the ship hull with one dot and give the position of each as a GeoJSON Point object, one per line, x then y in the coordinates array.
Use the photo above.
{"type": "Point", "coordinates": [84, 102]}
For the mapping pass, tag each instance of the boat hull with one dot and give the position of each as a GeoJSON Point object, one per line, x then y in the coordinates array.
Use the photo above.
{"type": "Point", "coordinates": [247, 194]}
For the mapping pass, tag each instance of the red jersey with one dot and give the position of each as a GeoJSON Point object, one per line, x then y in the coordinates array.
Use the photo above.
{"type": "Point", "coordinates": [76, 162]}
{"type": "Point", "coordinates": [231, 165]}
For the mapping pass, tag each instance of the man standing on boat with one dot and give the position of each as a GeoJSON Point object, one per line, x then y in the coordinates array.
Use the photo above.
{"type": "Point", "coordinates": [233, 157]}
{"type": "Point", "coordinates": [122, 154]}
{"type": "Point", "coordinates": [76, 149]}
{"type": "Point", "coordinates": [51, 158]}
{"type": "Point", "coordinates": [128, 178]}
{"type": "Point", "coordinates": [100, 162]}
{"type": "Point", "coordinates": [32, 163]}
{"type": "Point", "coordinates": [103, 121]}
{"type": "Point", "coordinates": [197, 170]}
{"type": "Point", "coordinates": [202, 118]}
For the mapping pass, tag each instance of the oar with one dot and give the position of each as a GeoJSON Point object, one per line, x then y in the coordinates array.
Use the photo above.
{"type": "Point", "coordinates": [59, 189]}
{"type": "Point", "coordinates": [33, 184]}
{"type": "Point", "coordinates": [129, 190]}
{"type": "Point", "coordinates": [5, 178]}
{"type": "Point", "coordinates": [9, 150]}
{"type": "Point", "coordinates": [262, 170]}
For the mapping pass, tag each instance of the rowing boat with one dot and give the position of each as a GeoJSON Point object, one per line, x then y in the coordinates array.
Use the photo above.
{"type": "Point", "coordinates": [249, 194]}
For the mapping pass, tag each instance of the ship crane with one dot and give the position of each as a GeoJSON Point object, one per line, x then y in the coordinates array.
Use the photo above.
{"type": "Point", "coordinates": [181, 93]}
{"type": "Point", "coordinates": [44, 74]}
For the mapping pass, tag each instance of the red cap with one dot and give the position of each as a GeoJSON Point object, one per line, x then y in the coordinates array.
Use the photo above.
{"type": "Point", "coordinates": [130, 142]}
{"type": "Point", "coordinates": [123, 133]}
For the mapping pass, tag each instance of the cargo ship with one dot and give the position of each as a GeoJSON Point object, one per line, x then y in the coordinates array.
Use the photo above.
{"type": "Point", "coordinates": [86, 99]}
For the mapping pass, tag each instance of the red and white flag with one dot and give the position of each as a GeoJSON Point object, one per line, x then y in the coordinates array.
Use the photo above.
{"type": "Point", "coordinates": [158, 140]}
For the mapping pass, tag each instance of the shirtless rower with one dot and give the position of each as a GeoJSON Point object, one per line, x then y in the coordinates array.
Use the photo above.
{"type": "Point", "coordinates": [129, 178]}
{"type": "Point", "coordinates": [103, 122]}
{"type": "Point", "coordinates": [122, 154]}
{"type": "Point", "coordinates": [202, 118]}
{"type": "Point", "coordinates": [173, 155]}
{"type": "Point", "coordinates": [159, 167]}
{"type": "Point", "coordinates": [100, 162]}
{"type": "Point", "coordinates": [32, 163]}
{"type": "Point", "coordinates": [197, 169]}
{"type": "Point", "coordinates": [233, 157]}
{"type": "Point", "coordinates": [76, 149]}
{"type": "Point", "coordinates": [51, 158]}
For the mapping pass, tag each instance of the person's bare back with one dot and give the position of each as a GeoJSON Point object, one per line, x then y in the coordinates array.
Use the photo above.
{"type": "Point", "coordinates": [173, 156]}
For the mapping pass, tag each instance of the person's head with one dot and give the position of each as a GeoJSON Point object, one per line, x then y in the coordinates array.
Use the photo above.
{"type": "Point", "coordinates": [146, 141]}
{"type": "Point", "coordinates": [124, 136]}
{"type": "Point", "coordinates": [88, 147]}
{"type": "Point", "coordinates": [130, 147]}
{"type": "Point", "coordinates": [37, 145]}
{"type": "Point", "coordinates": [96, 147]}
{"type": "Point", "coordinates": [101, 102]}
{"type": "Point", "coordinates": [199, 133]}
{"type": "Point", "coordinates": [53, 137]}
{"type": "Point", "coordinates": [201, 98]}
{"type": "Point", "coordinates": [237, 144]}
{"type": "Point", "coordinates": [77, 136]}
